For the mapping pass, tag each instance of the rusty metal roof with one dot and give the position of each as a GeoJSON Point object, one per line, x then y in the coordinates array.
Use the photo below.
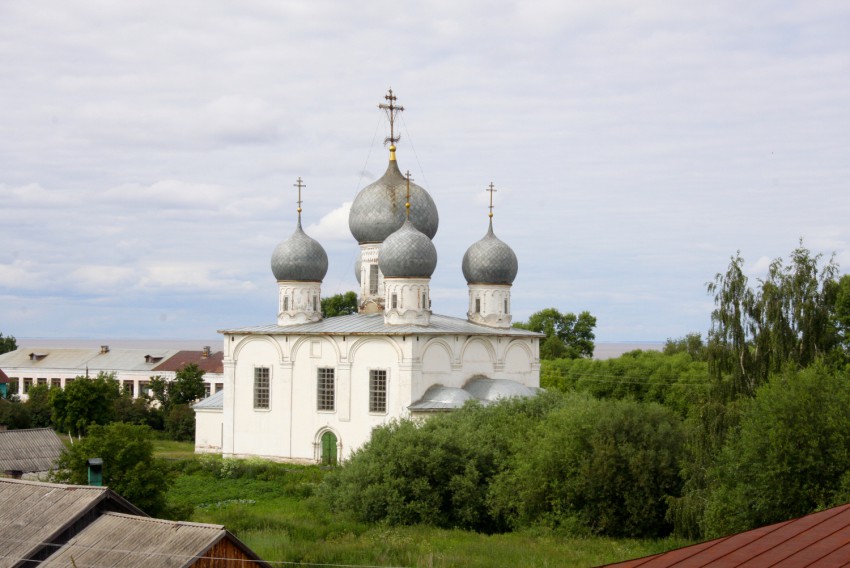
{"type": "Point", "coordinates": [115, 539]}
{"type": "Point", "coordinates": [34, 514]}
{"type": "Point", "coordinates": [212, 363]}
{"type": "Point", "coordinates": [35, 449]}
{"type": "Point", "coordinates": [817, 540]}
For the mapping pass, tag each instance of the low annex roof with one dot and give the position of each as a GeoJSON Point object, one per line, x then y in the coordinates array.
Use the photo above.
{"type": "Point", "coordinates": [212, 402]}
{"type": "Point", "coordinates": [33, 514]}
{"type": "Point", "coordinates": [116, 539]}
{"type": "Point", "coordinates": [30, 450]}
{"type": "Point", "coordinates": [373, 324]}
{"type": "Point", "coordinates": [483, 389]}
{"type": "Point", "coordinates": [819, 539]}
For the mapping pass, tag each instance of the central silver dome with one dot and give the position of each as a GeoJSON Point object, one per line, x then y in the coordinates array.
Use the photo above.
{"type": "Point", "coordinates": [489, 261]}
{"type": "Point", "coordinates": [407, 253]}
{"type": "Point", "coordinates": [299, 258]}
{"type": "Point", "coordinates": [378, 210]}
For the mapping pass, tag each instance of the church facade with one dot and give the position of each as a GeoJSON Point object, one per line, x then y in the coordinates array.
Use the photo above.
{"type": "Point", "coordinates": [311, 389]}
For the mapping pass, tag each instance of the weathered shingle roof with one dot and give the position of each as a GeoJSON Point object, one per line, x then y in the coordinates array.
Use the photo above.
{"type": "Point", "coordinates": [34, 514]}
{"type": "Point", "coordinates": [819, 539]}
{"type": "Point", "coordinates": [128, 541]}
{"type": "Point", "coordinates": [373, 324]}
{"type": "Point", "coordinates": [30, 450]}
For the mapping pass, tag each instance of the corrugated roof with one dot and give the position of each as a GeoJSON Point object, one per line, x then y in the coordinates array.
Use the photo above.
{"type": "Point", "coordinates": [128, 541]}
{"type": "Point", "coordinates": [80, 360]}
{"type": "Point", "coordinates": [210, 364]}
{"type": "Point", "coordinates": [36, 449]}
{"type": "Point", "coordinates": [33, 514]}
{"type": "Point", "coordinates": [373, 324]}
{"type": "Point", "coordinates": [212, 402]}
{"type": "Point", "coordinates": [819, 539]}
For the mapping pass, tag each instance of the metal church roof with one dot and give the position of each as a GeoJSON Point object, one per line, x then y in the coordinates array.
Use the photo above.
{"type": "Point", "coordinates": [212, 402]}
{"type": "Point", "coordinates": [373, 324]}
{"type": "Point", "coordinates": [34, 449]}
{"type": "Point", "coordinates": [819, 539]}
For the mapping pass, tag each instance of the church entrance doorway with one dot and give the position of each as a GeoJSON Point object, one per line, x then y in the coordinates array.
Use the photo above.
{"type": "Point", "coordinates": [328, 448]}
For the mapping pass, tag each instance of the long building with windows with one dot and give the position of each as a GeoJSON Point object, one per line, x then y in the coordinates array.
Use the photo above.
{"type": "Point", "coordinates": [312, 389]}
{"type": "Point", "coordinates": [132, 368]}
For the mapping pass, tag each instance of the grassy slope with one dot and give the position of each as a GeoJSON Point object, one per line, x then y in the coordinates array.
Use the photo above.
{"type": "Point", "coordinates": [271, 509]}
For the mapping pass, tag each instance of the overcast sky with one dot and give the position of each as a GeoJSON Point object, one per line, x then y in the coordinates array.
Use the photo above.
{"type": "Point", "coordinates": [148, 151]}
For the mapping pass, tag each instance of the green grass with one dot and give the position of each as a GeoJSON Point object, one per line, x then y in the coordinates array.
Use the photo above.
{"type": "Point", "coordinates": [171, 449]}
{"type": "Point", "coordinates": [271, 507]}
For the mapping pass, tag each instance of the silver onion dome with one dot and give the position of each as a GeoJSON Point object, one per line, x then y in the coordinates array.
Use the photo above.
{"type": "Point", "coordinates": [378, 210]}
{"type": "Point", "coordinates": [299, 258]}
{"type": "Point", "coordinates": [489, 261]}
{"type": "Point", "coordinates": [407, 253]}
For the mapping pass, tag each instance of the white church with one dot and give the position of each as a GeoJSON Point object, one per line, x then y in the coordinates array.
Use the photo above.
{"type": "Point", "coordinates": [308, 389]}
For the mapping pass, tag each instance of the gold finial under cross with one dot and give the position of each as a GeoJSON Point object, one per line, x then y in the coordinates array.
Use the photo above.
{"type": "Point", "coordinates": [391, 109]}
{"type": "Point", "coordinates": [299, 184]}
{"type": "Point", "coordinates": [492, 189]}
{"type": "Point", "coordinates": [407, 203]}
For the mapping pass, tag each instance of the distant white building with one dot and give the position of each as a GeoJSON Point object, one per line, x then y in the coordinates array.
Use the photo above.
{"type": "Point", "coordinates": [132, 368]}
{"type": "Point", "coordinates": [312, 389]}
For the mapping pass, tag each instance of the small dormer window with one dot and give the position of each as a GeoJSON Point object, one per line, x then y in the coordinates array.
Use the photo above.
{"type": "Point", "coordinates": [37, 356]}
{"type": "Point", "coordinates": [153, 358]}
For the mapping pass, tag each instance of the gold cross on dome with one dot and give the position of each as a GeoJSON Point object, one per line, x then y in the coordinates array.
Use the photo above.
{"type": "Point", "coordinates": [492, 189]}
{"type": "Point", "coordinates": [299, 184]}
{"type": "Point", "coordinates": [391, 109]}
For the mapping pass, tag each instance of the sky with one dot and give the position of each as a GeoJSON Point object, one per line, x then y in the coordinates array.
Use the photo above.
{"type": "Point", "coordinates": [148, 151]}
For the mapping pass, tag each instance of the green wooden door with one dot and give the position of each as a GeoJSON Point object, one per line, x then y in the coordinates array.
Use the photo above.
{"type": "Point", "coordinates": [328, 448]}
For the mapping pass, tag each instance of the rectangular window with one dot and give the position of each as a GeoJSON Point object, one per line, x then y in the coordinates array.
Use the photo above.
{"type": "Point", "coordinates": [27, 384]}
{"type": "Point", "coordinates": [286, 304]}
{"type": "Point", "coordinates": [326, 390]}
{"type": "Point", "coordinates": [219, 387]}
{"type": "Point", "coordinates": [42, 381]}
{"type": "Point", "coordinates": [261, 387]}
{"type": "Point", "coordinates": [395, 301]}
{"type": "Point", "coordinates": [373, 279]}
{"type": "Point", "coordinates": [506, 306]}
{"type": "Point", "coordinates": [207, 390]}
{"type": "Point", "coordinates": [144, 388]}
{"type": "Point", "coordinates": [377, 390]}
{"type": "Point", "coordinates": [477, 305]}
{"type": "Point", "coordinates": [128, 388]}
{"type": "Point", "coordinates": [55, 383]}
{"type": "Point", "coordinates": [315, 303]}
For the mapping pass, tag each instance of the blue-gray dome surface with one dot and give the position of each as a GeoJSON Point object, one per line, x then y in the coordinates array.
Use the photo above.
{"type": "Point", "coordinates": [378, 210]}
{"type": "Point", "coordinates": [300, 258]}
{"type": "Point", "coordinates": [407, 253]}
{"type": "Point", "coordinates": [489, 261]}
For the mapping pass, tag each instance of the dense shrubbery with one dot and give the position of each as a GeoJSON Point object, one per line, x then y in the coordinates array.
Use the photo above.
{"type": "Point", "coordinates": [568, 461]}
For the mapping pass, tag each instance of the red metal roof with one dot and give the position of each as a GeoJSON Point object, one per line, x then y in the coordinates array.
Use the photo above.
{"type": "Point", "coordinates": [209, 364]}
{"type": "Point", "coordinates": [819, 539]}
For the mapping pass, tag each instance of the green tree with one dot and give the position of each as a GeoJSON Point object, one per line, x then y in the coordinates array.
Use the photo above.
{"type": "Point", "coordinates": [14, 415]}
{"type": "Point", "coordinates": [84, 402]}
{"type": "Point", "coordinates": [129, 467]}
{"type": "Point", "coordinates": [38, 405]}
{"type": "Point", "coordinates": [841, 314]}
{"type": "Point", "coordinates": [187, 386]}
{"type": "Point", "coordinates": [691, 344]}
{"type": "Point", "coordinates": [790, 457]}
{"type": "Point", "coordinates": [7, 343]}
{"type": "Point", "coordinates": [567, 335]}
{"type": "Point", "coordinates": [339, 305]}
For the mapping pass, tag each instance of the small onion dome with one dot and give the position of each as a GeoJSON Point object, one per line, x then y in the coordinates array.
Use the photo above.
{"type": "Point", "coordinates": [489, 261]}
{"type": "Point", "coordinates": [407, 253]}
{"type": "Point", "coordinates": [378, 210]}
{"type": "Point", "coordinates": [299, 258]}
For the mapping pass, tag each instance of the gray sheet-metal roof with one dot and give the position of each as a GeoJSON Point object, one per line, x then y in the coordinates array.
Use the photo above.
{"type": "Point", "coordinates": [33, 513]}
{"type": "Point", "coordinates": [483, 389]}
{"type": "Point", "coordinates": [212, 402]}
{"type": "Point", "coordinates": [373, 324]}
{"type": "Point", "coordinates": [81, 359]}
{"type": "Point", "coordinates": [128, 541]}
{"type": "Point", "coordinates": [31, 450]}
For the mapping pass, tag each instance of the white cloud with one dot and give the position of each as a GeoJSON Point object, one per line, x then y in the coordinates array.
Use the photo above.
{"type": "Point", "coordinates": [333, 226]}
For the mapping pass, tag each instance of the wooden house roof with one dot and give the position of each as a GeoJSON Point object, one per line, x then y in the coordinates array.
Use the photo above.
{"type": "Point", "coordinates": [35, 449]}
{"type": "Point", "coordinates": [125, 540]}
{"type": "Point", "coordinates": [37, 517]}
{"type": "Point", "coordinates": [817, 540]}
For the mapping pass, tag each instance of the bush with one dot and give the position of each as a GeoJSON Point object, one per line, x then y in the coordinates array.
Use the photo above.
{"type": "Point", "coordinates": [180, 423]}
{"type": "Point", "coordinates": [790, 457]}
